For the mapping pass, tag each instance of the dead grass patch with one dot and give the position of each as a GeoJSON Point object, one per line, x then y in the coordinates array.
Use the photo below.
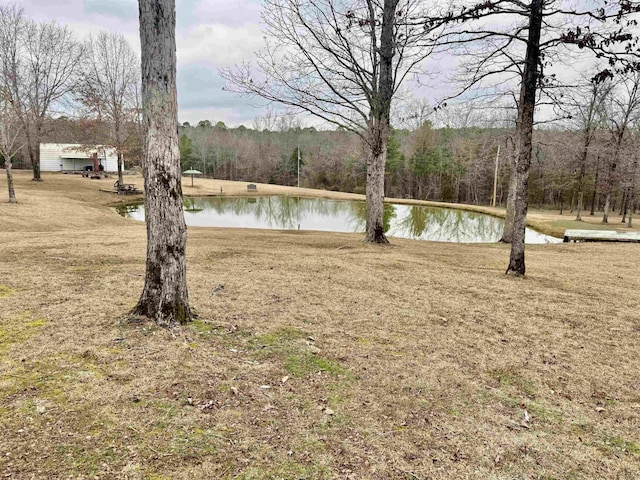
{"type": "Point", "coordinates": [425, 356]}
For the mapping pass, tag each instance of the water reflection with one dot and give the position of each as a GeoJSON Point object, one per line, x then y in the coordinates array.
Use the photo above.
{"type": "Point", "coordinates": [289, 213]}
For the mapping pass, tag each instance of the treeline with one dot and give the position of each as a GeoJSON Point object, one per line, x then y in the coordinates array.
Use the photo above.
{"type": "Point", "coordinates": [440, 164]}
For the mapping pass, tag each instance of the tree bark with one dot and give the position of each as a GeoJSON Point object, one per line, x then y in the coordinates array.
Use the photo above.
{"type": "Point", "coordinates": [12, 192]}
{"type": "Point", "coordinates": [34, 155]}
{"type": "Point", "coordinates": [595, 188]}
{"type": "Point", "coordinates": [525, 133]}
{"type": "Point", "coordinates": [507, 232]}
{"type": "Point", "coordinates": [581, 175]}
{"type": "Point", "coordinates": [607, 206]}
{"type": "Point", "coordinates": [165, 297]}
{"type": "Point", "coordinates": [376, 160]}
{"type": "Point", "coordinates": [120, 179]}
{"type": "Point", "coordinates": [379, 128]}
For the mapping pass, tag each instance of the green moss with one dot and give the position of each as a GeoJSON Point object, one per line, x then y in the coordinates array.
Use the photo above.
{"type": "Point", "coordinates": [510, 378]}
{"type": "Point", "coordinates": [18, 329]}
{"type": "Point", "coordinates": [301, 364]}
{"type": "Point", "coordinates": [6, 291]}
{"type": "Point", "coordinates": [286, 470]}
{"type": "Point", "coordinates": [279, 337]}
{"type": "Point", "coordinates": [286, 344]}
{"type": "Point", "coordinates": [617, 445]}
{"type": "Point", "coordinates": [540, 413]}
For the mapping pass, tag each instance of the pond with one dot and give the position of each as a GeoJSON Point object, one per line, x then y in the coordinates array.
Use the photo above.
{"type": "Point", "coordinates": [302, 213]}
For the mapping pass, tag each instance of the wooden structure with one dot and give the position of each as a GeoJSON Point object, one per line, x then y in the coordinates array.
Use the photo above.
{"type": "Point", "coordinates": [601, 236]}
{"type": "Point", "coordinates": [125, 188]}
{"type": "Point", "coordinates": [66, 157]}
{"type": "Point", "coordinates": [252, 188]}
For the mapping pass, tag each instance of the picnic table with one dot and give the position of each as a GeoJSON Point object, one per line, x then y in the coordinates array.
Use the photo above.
{"type": "Point", "coordinates": [125, 188]}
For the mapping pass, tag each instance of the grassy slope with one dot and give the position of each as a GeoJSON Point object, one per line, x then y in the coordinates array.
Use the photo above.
{"type": "Point", "coordinates": [416, 360]}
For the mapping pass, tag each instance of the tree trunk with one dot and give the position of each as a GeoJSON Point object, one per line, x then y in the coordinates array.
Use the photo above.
{"type": "Point", "coordinates": [595, 188]}
{"type": "Point", "coordinates": [579, 205]}
{"type": "Point", "coordinates": [379, 127]}
{"type": "Point", "coordinates": [507, 233]}
{"type": "Point", "coordinates": [12, 192]}
{"type": "Point", "coordinates": [120, 179]}
{"type": "Point", "coordinates": [376, 158]}
{"type": "Point", "coordinates": [526, 109]}
{"type": "Point", "coordinates": [625, 203]}
{"type": "Point", "coordinates": [164, 298]}
{"type": "Point", "coordinates": [34, 156]}
{"type": "Point", "coordinates": [632, 193]}
{"type": "Point", "coordinates": [607, 206]}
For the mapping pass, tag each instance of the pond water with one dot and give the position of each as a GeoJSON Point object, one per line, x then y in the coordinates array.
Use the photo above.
{"type": "Point", "coordinates": [301, 213]}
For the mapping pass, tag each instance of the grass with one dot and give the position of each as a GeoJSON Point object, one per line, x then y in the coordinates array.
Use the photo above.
{"type": "Point", "coordinates": [417, 360]}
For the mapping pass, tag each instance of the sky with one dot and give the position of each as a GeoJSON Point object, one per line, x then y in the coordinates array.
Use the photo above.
{"type": "Point", "coordinates": [210, 34]}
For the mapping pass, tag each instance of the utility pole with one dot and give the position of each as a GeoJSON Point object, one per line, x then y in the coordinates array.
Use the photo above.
{"type": "Point", "coordinates": [495, 178]}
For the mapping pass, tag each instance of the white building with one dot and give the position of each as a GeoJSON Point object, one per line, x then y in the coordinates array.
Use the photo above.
{"type": "Point", "coordinates": [68, 157]}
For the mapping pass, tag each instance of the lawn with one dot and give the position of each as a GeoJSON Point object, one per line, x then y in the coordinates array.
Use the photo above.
{"type": "Point", "coordinates": [322, 357]}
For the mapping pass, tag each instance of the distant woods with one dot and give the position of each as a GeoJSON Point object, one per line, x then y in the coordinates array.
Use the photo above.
{"type": "Point", "coordinates": [451, 164]}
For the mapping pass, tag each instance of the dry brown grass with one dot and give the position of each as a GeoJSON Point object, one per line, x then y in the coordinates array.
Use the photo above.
{"type": "Point", "coordinates": [422, 361]}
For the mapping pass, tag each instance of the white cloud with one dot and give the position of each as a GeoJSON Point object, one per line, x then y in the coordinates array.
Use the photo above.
{"type": "Point", "coordinates": [219, 44]}
{"type": "Point", "coordinates": [236, 12]}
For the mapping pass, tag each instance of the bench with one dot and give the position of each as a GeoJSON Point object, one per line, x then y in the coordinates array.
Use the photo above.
{"type": "Point", "coordinates": [252, 188]}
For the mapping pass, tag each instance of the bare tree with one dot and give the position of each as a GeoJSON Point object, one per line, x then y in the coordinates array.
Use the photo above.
{"type": "Point", "coordinates": [165, 297]}
{"type": "Point", "coordinates": [10, 142]}
{"type": "Point", "coordinates": [108, 87]}
{"type": "Point", "coordinates": [589, 103]}
{"type": "Point", "coordinates": [343, 62]}
{"type": "Point", "coordinates": [520, 44]}
{"type": "Point", "coordinates": [39, 70]}
{"type": "Point", "coordinates": [624, 109]}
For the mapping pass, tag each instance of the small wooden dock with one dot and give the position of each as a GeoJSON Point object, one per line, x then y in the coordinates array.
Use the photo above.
{"type": "Point", "coordinates": [601, 236]}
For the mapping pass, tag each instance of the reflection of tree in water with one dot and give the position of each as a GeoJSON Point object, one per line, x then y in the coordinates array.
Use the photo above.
{"type": "Point", "coordinates": [446, 225]}
{"type": "Point", "coordinates": [427, 223]}
{"type": "Point", "coordinates": [190, 205]}
{"type": "Point", "coordinates": [126, 210]}
{"type": "Point", "coordinates": [275, 212]}
{"type": "Point", "coordinates": [407, 221]}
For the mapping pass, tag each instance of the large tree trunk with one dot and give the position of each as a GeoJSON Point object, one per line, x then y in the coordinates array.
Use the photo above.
{"type": "Point", "coordinates": [376, 159]}
{"type": "Point", "coordinates": [33, 148]}
{"type": "Point", "coordinates": [526, 109]}
{"type": "Point", "coordinates": [164, 298]}
{"type": "Point", "coordinates": [12, 192]}
{"type": "Point", "coordinates": [379, 127]}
